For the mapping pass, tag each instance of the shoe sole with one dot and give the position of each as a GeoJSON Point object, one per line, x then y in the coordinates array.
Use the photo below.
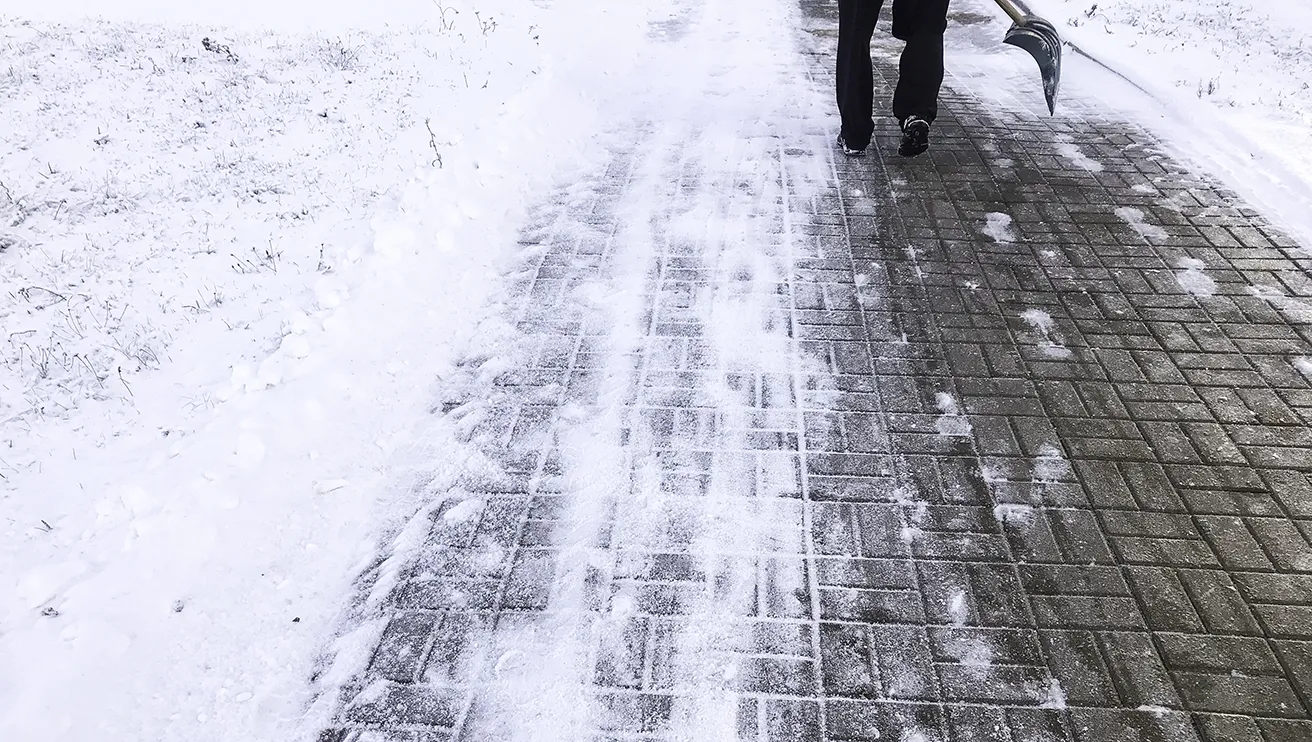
{"type": "Point", "coordinates": [912, 147]}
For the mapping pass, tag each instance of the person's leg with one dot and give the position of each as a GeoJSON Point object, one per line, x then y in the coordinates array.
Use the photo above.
{"type": "Point", "coordinates": [920, 76]}
{"type": "Point", "coordinates": [921, 24]}
{"type": "Point", "coordinates": [855, 74]}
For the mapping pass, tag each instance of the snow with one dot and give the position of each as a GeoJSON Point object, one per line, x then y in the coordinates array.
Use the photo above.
{"type": "Point", "coordinates": [1046, 328]}
{"type": "Point", "coordinates": [998, 226]}
{"type": "Point", "coordinates": [1157, 711]}
{"type": "Point", "coordinates": [1135, 218]}
{"type": "Point", "coordinates": [1014, 514]}
{"type": "Point", "coordinates": [1190, 55]}
{"type": "Point", "coordinates": [213, 257]}
{"type": "Point", "coordinates": [1294, 308]}
{"type": "Point", "coordinates": [957, 608]}
{"type": "Point", "coordinates": [1193, 278]}
{"type": "Point", "coordinates": [249, 245]}
{"type": "Point", "coordinates": [1050, 465]}
{"type": "Point", "coordinates": [951, 421]}
{"type": "Point", "coordinates": [1069, 150]}
{"type": "Point", "coordinates": [1056, 696]}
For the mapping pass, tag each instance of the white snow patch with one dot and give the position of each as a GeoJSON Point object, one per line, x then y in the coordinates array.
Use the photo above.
{"type": "Point", "coordinates": [1056, 697]}
{"type": "Point", "coordinates": [1304, 365]}
{"type": "Point", "coordinates": [1193, 279]}
{"type": "Point", "coordinates": [1050, 465]}
{"type": "Point", "coordinates": [978, 655]}
{"type": "Point", "coordinates": [1045, 326]}
{"type": "Point", "coordinates": [1068, 149]}
{"type": "Point", "coordinates": [1014, 513]}
{"type": "Point", "coordinates": [998, 226]}
{"type": "Point", "coordinates": [1135, 218]}
{"type": "Point", "coordinates": [958, 609]}
{"type": "Point", "coordinates": [1197, 62]}
{"type": "Point", "coordinates": [951, 422]}
{"type": "Point", "coordinates": [463, 511]}
{"type": "Point", "coordinates": [1299, 311]}
{"type": "Point", "coordinates": [1158, 711]}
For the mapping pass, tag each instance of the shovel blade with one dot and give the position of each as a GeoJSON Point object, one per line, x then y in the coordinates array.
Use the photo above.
{"type": "Point", "coordinates": [1040, 39]}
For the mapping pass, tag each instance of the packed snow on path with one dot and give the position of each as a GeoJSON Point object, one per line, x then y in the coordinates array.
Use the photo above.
{"type": "Point", "coordinates": [235, 260]}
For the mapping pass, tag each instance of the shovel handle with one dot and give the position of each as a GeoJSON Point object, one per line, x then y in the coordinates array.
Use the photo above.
{"type": "Point", "coordinates": [1011, 9]}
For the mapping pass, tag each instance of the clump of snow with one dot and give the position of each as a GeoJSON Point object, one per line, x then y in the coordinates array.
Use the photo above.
{"type": "Point", "coordinates": [1304, 365]}
{"type": "Point", "coordinates": [1014, 513]}
{"type": "Point", "coordinates": [957, 608]}
{"type": "Point", "coordinates": [1135, 218]}
{"type": "Point", "coordinates": [1056, 696]}
{"type": "Point", "coordinates": [1050, 465]}
{"type": "Point", "coordinates": [1071, 151]}
{"type": "Point", "coordinates": [978, 655]}
{"type": "Point", "coordinates": [1046, 327]}
{"type": "Point", "coordinates": [998, 226]}
{"type": "Point", "coordinates": [951, 422]}
{"type": "Point", "coordinates": [1193, 279]}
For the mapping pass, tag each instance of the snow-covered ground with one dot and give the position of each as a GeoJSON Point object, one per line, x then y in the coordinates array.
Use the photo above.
{"type": "Point", "coordinates": [238, 244]}
{"type": "Point", "coordinates": [240, 241]}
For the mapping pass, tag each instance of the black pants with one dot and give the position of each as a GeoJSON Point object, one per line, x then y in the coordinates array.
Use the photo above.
{"type": "Point", "coordinates": [921, 24]}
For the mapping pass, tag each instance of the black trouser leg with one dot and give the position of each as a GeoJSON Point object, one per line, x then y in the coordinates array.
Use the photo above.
{"type": "Point", "coordinates": [921, 24]}
{"type": "Point", "coordinates": [920, 76]}
{"type": "Point", "coordinates": [855, 73]}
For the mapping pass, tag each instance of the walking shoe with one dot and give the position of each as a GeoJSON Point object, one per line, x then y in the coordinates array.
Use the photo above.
{"type": "Point", "coordinates": [849, 151]}
{"type": "Point", "coordinates": [915, 136]}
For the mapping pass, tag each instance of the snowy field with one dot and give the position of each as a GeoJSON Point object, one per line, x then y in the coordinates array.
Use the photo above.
{"type": "Point", "coordinates": [218, 222]}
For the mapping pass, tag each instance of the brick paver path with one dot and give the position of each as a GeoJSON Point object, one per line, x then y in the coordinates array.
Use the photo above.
{"type": "Point", "coordinates": [1027, 459]}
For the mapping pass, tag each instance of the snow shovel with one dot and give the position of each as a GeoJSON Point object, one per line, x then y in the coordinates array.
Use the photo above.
{"type": "Point", "coordinates": [1040, 39]}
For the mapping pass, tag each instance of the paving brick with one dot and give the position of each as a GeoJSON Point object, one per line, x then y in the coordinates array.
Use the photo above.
{"type": "Point", "coordinates": [401, 650]}
{"type": "Point", "coordinates": [872, 721]}
{"type": "Point", "coordinates": [403, 704]}
{"type": "Point", "coordinates": [1137, 670]}
{"type": "Point", "coordinates": [1097, 725]}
